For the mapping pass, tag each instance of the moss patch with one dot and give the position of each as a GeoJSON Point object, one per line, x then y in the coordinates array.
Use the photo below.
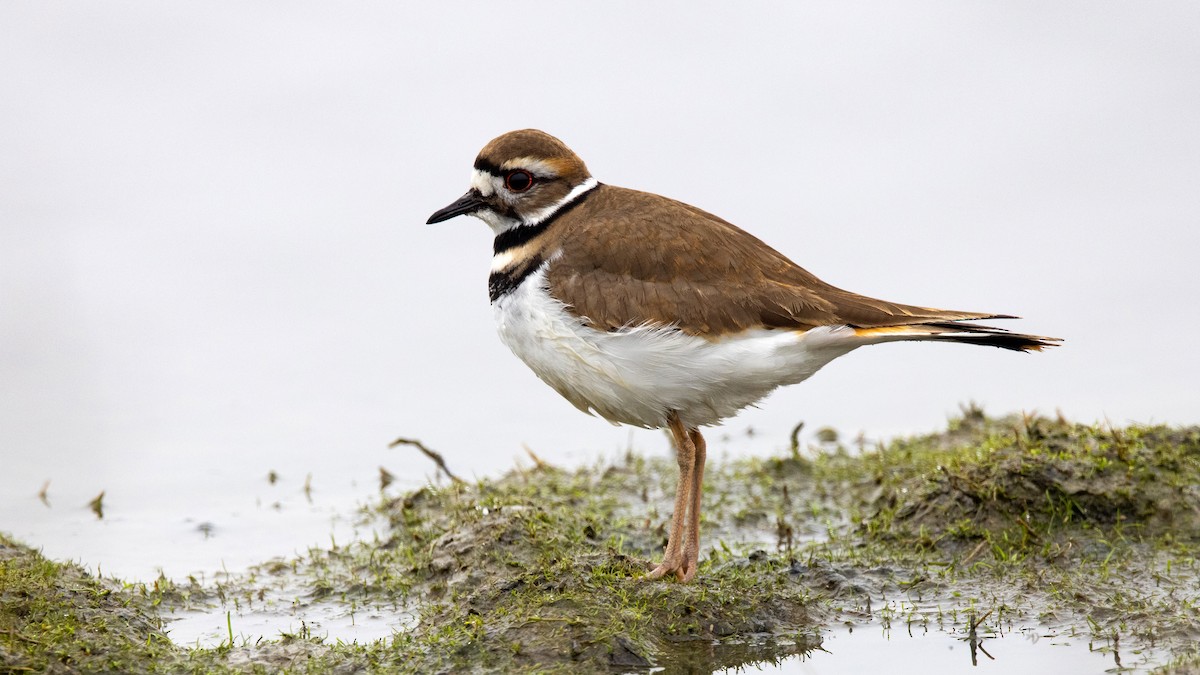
{"type": "Point", "coordinates": [545, 567]}
{"type": "Point", "coordinates": [57, 618]}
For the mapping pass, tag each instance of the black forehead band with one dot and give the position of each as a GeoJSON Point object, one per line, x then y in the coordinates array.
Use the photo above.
{"type": "Point", "coordinates": [484, 165]}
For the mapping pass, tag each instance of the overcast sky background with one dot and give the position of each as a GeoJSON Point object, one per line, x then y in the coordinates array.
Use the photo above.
{"type": "Point", "coordinates": [214, 262]}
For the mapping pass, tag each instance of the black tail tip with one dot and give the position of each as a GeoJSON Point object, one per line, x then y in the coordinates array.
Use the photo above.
{"type": "Point", "coordinates": [1015, 342]}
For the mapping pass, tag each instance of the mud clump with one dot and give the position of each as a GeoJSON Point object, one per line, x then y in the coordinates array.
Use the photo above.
{"type": "Point", "coordinates": [517, 580]}
{"type": "Point", "coordinates": [1036, 482]}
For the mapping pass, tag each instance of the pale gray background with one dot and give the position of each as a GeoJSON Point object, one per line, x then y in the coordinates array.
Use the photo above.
{"type": "Point", "coordinates": [213, 257]}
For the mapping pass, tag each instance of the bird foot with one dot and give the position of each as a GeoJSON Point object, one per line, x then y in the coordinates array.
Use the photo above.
{"type": "Point", "coordinates": [682, 566]}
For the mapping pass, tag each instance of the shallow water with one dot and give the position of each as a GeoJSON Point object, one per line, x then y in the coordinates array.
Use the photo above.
{"type": "Point", "coordinates": [858, 648]}
{"type": "Point", "coordinates": [331, 621]}
{"type": "Point", "coordinates": [869, 648]}
{"type": "Point", "coordinates": [218, 520]}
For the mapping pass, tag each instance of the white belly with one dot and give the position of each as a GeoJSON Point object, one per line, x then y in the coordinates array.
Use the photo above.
{"type": "Point", "coordinates": [638, 375]}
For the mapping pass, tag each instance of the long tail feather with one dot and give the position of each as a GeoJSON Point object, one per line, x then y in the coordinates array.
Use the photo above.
{"type": "Point", "coordinates": [954, 331]}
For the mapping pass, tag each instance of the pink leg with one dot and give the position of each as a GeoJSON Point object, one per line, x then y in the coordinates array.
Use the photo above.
{"type": "Point", "coordinates": [685, 454]}
{"type": "Point", "coordinates": [691, 550]}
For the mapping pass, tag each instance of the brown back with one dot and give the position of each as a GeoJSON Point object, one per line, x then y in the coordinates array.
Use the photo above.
{"type": "Point", "coordinates": [631, 257]}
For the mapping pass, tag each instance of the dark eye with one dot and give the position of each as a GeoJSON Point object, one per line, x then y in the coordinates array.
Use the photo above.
{"type": "Point", "coordinates": [518, 181]}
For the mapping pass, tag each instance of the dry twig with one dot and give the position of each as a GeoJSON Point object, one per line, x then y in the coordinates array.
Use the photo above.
{"type": "Point", "coordinates": [435, 456]}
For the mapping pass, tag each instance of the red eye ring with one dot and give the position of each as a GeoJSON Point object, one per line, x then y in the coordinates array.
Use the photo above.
{"type": "Point", "coordinates": [518, 180]}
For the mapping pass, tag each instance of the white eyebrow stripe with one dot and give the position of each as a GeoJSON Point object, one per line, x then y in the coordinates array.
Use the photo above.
{"type": "Point", "coordinates": [538, 167]}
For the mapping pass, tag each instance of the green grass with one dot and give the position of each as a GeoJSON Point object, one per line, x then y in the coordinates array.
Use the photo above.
{"type": "Point", "coordinates": [56, 618]}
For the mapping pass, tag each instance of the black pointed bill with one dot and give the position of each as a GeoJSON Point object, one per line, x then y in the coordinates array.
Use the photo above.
{"type": "Point", "coordinates": [466, 205]}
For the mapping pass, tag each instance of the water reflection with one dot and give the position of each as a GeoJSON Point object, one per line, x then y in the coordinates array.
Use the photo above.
{"type": "Point", "coordinates": [858, 647]}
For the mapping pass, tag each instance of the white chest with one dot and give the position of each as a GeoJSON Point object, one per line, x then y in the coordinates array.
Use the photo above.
{"type": "Point", "coordinates": [640, 374]}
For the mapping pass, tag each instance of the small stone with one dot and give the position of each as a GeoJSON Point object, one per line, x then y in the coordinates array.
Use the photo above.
{"type": "Point", "coordinates": [624, 653]}
{"type": "Point", "coordinates": [723, 629]}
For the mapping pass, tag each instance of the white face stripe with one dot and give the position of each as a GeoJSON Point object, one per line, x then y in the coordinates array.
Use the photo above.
{"type": "Point", "coordinates": [484, 182]}
{"type": "Point", "coordinates": [575, 193]}
{"type": "Point", "coordinates": [487, 185]}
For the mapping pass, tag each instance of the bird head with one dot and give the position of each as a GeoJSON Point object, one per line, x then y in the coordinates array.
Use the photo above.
{"type": "Point", "coordinates": [520, 178]}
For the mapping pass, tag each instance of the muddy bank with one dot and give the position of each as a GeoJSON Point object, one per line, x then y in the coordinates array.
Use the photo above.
{"type": "Point", "coordinates": [57, 618]}
{"type": "Point", "coordinates": [991, 524]}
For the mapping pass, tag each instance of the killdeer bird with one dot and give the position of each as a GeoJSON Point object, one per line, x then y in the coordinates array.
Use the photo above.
{"type": "Point", "coordinates": [650, 312]}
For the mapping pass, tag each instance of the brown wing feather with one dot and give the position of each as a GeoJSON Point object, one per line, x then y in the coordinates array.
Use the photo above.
{"type": "Point", "coordinates": [632, 257]}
